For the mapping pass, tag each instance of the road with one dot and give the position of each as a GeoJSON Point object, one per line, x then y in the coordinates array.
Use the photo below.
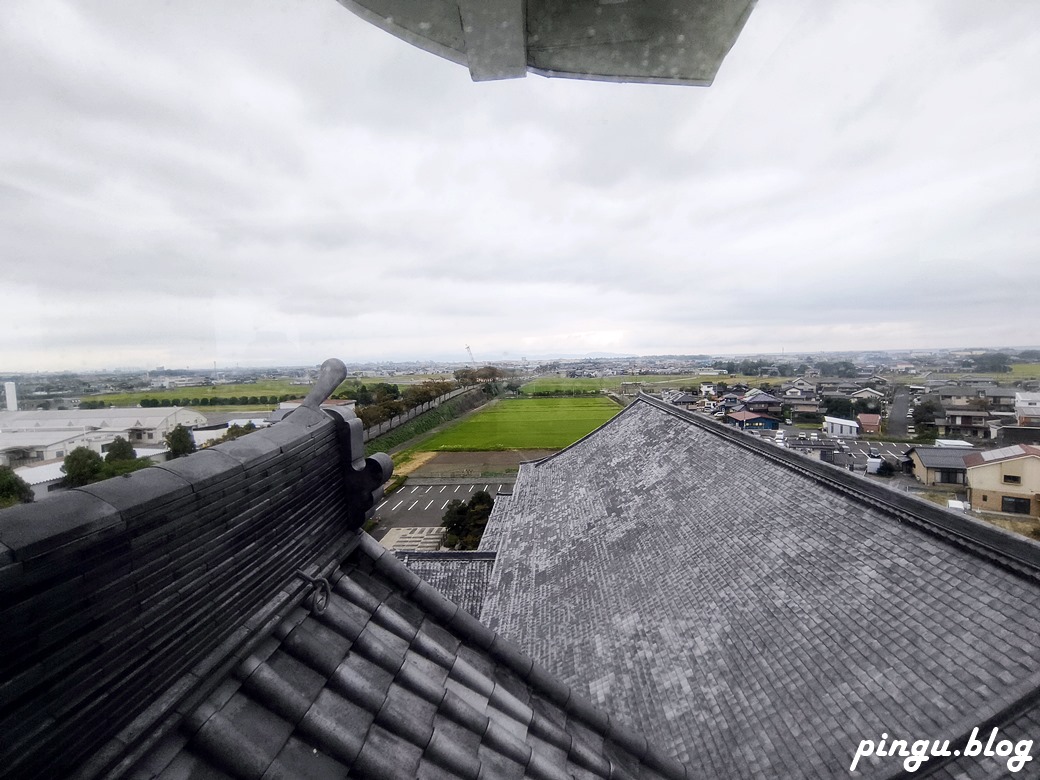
{"type": "Point", "coordinates": [897, 409]}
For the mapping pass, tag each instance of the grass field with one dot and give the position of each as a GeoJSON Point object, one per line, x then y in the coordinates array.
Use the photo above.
{"type": "Point", "coordinates": [275, 387]}
{"type": "Point", "coordinates": [270, 387]}
{"type": "Point", "coordinates": [524, 423]}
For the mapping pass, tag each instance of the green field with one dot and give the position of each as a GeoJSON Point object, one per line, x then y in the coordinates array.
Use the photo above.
{"type": "Point", "coordinates": [525, 424]}
{"type": "Point", "coordinates": [554, 384]}
{"type": "Point", "coordinates": [273, 388]}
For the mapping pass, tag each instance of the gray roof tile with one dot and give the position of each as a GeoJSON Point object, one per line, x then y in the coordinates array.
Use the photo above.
{"type": "Point", "coordinates": [736, 609]}
{"type": "Point", "coordinates": [376, 686]}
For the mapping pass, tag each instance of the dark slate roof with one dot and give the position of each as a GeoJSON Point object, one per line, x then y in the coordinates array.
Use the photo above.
{"type": "Point", "coordinates": [461, 576]}
{"type": "Point", "coordinates": [940, 457]}
{"type": "Point", "coordinates": [392, 680]}
{"type": "Point", "coordinates": [754, 619]}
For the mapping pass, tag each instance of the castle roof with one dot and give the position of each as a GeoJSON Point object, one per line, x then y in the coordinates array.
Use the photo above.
{"type": "Point", "coordinates": [759, 612]}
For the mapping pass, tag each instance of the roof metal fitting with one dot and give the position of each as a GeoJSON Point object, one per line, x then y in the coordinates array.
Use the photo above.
{"type": "Point", "coordinates": [322, 594]}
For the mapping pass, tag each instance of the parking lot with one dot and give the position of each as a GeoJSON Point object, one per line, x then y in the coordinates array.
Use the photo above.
{"type": "Point", "coordinates": [421, 502]}
{"type": "Point", "coordinates": [858, 449]}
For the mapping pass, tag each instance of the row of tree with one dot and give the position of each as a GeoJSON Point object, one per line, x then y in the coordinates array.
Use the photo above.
{"type": "Point", "coordinates": [382, 401]}
{"type": "Point", "coordinates": [217, 400]}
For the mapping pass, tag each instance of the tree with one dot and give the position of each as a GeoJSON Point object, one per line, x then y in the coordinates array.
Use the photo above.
{"type": "Point", "coordinates": [180, 441]}
{"type": "Point", "coordinates": [992, 363]}
{"type": "Point", "coordinates": [13, 489]}
{"type": "Point", "coordinates": [233, 432]}
{"type": "Point", "coordinates": [927, 411]}
{"type": "Point", "coordinates": [82, 466]}
{"type": "Point", "coordinates": [466, 376]}
{"type": "Point", "coordinates": [120, 449]}
{"type": "Point", "coordinates": [465, 522]}
{"type": "Point", "coordinates": [838, 406]}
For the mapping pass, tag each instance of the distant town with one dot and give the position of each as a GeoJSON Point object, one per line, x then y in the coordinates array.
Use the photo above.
{"type": "Point", "coordinates": [879, 413]}
{"type": "Point", "coordinates": [54, 389]}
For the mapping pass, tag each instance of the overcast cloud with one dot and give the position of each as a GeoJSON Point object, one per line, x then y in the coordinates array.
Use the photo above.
{"type": "Point", "coordinates": [276, 181]}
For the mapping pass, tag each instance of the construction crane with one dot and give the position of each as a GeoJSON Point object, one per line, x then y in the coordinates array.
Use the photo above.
{"type": "Point", "coordinates": [472, 359]}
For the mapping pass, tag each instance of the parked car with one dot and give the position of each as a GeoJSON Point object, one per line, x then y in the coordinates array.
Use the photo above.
{"type": "Point", "coordinates": [814, 437]}
{"type": "Point", "coordinates": [802, 436]}
{"type": "Point", "coordinates": [873, 452]}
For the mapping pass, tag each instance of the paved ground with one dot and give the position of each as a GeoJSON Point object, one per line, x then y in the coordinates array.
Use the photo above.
{"type": "Point", "coordinates": [415, 539]}
{"type": "Point", "coordinates": [858, 448]}
{"type": "Point", "coordinates": [422, 501]}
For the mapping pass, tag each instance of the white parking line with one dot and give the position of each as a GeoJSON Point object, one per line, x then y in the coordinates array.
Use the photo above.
{"type": "Point", "coordinates": [442, 488]}
{"type": "Point", "coordinates": [412, 506]}
{"type": "Point", "coordinates": [383, 504]}
{"type": "Point", "coordinates": [445, 504]}
{"type": "Point", "coordinates": [456, 490]}
{"type": "Point", "coordinates": [396, 505]}
{"type": "Point", "coordinates": [415, 488]}
{"type": "Point", "coordinates": [427, 506]}
{"type": "Point", "coordinates": [485, 488]}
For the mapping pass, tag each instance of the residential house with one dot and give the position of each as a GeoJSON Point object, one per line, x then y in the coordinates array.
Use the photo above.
{"type": "Point", "coordinates": [869, 423]}
{"type": "Point", "coordinates": [1000, 400]}
{"type": "Point", "coordinates": [763, 403]}
{"type": "Point", "coordinates": [867, 394]}
{"type": "Point", "coordinates": [1005, 479]}
{"type": "Point", "coordinates": [707, 388]}
{"type": "Point", "coordinates": [936, 465]}
{"type": "Point", "coordinates": [800, 383]}
{"type": "Point", "coordinates": [837, 427]}
{"type": "Point", "coordinates": [685, 401]}
{"type": "Point", "coordinates": [963, 421]}
{"type": "Point", "coordinates": [806, 407]}
{"type": "Point", "coordinates": [752, 421]}
{"type": "Point", "coordinates": [1027, 408]}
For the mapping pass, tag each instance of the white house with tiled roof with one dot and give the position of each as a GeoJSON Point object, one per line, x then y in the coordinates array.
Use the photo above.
{"type": "Point", "coordinates": [1005, 480]}
{"type": "Point", "coordinates": [1027, 408]}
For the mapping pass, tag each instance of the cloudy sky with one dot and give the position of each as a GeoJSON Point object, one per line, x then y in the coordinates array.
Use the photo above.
{"type": "Point", "coordinates": [250, 182]}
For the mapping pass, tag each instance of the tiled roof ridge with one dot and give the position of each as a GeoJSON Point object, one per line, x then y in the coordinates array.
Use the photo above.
{"type": "Point", "coordinates": [508, 654]}
{"type": "Point", "coordinates": [1009, 550]}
